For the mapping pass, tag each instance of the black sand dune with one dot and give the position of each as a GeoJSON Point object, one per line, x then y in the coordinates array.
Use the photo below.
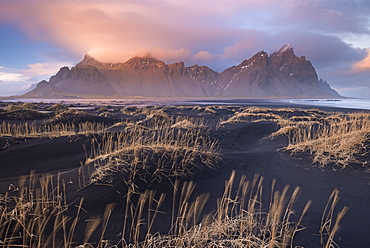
{"type": "Point", "coordinates": [244, 147]}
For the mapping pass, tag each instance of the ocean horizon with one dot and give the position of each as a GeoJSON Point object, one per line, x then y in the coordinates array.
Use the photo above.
{"type": "Point", "coordinates": [349, 103]}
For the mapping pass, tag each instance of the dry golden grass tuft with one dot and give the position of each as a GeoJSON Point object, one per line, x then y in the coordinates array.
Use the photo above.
{"type": "Point", "coordinates": [32, 130]}
{"type": "Point", "coordinates": [159, 119]}
{"type": "Point", "coordinates": [132, 111]}
{"type": "Point", "coordinates": [21, 111]}
{"type": "Point", "coordinates": [151, 154]}
{"type": "Point", "coordinates": [240, 220]}
{"type": "Point", "coordinates": [252, 115]}
{"type": "Point", "coordinates": [210, 109]}
{"type": "Point", "coordinates": [185, 124]}
{"type": "Point", "coordinates": [34, 214]}
{"type": "Point", "coordinates": [58, 108]}
{"type": "Point", "coordinates": [331, 138]}
{"type": "Point", "coordinates": [155, 120]}
{"type": "Point", "coordinates": [339, 139]}
{"type": "Point", "coordinates": [108, 114]}
{"type": "Point", "coordinates": [69, 115]}
{"type": "Point", "coordinates": [330, 224]}
{"type": "Point", "coordinates": [19, 106]}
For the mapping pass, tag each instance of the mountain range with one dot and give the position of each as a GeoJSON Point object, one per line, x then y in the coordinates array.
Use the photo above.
{"type": "Point", "coordinates": [281, 74]}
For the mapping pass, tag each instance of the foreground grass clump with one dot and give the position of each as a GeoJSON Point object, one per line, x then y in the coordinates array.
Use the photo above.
{"type": "Point", "coordinates": [152, 154]}
{"type": "Point", "coordinates": [330, 138]}
{"type": "Point", "coordinates": [33, 214]}
{"type": "Point", "coordinates": [339, 139]}
{"type": "Point", "coordinates": [241, 220]}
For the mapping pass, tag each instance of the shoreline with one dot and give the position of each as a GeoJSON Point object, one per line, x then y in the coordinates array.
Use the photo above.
{"type": "Point", "coordinates": [343, 104]}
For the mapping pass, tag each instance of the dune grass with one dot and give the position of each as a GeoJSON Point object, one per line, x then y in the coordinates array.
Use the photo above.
{"type": "Point", "coordinates": [35, 214]}
{"type": "Point", "coordinates": [155, 147]}
{"type": "Point", "coordinates": [19, 106]}
{"type": "Point", "coordinates": [49, 130]}
{"type": "Point", "coordinates": [330, 138]}
{"type": "Point", "coordinates": [60, 123]}
{"type": "Point", "coordinates": [240, 220]}
{"type": "Point", "coordinates": [338, 139]}
{"type": "Point", "coordinates": [252, 114]}
{"type": "Point", "coordinates": [158, 147]}
{"type": "Point", "coordinates": [151, 154]}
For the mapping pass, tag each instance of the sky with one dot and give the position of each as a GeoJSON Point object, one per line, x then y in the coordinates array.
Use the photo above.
{"type": "Point", "coordinates": [40, 36]}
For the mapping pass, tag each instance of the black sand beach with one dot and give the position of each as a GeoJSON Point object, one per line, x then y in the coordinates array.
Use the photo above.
{"type": "Point", "coordinates": [244, 146]}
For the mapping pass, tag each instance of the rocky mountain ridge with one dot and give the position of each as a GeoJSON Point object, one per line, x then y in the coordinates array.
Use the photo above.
{"type": "Point", "coordinates": [282, 74]}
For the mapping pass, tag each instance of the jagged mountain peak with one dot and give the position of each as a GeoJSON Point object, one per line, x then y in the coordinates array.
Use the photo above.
{"type": "Point", "coordinates": [260, 56]}
{"type": "Point", "coordinates": [285, 51]}
{"type": "Point", "coordinates": [282, 74]}
{"type": "Point", "coordinates": [88, 57]}
{"type": "Point", "coordinates": [89, 60]}
{"type": "Point", "coordinates": [285, 48]}
{"type": "Point", "coordinates": [301, 69]}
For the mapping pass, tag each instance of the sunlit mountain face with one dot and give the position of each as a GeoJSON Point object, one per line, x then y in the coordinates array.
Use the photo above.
{"type": "Point", "coordinates": [281, 74]}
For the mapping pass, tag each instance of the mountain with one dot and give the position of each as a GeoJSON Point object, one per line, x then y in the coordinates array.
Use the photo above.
{"type": "Point", "coordinates": [282, 74]}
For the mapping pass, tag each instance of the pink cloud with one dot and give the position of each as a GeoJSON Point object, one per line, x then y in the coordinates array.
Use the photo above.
{"type": "Point", "coordinates": [218, 33]}
{"type": "Point", "coordinates": [204, 56]}
{"type": "Point", "coordinates": [43, 68]}
{"type": "Point", "coordinates": [118, 30]}
{"type": "Point", "coordinates": [363, 65]}
{"type": "Point", "coordinates": [252, 43]}
{"type": "Point", "coordinates": [82, 26]}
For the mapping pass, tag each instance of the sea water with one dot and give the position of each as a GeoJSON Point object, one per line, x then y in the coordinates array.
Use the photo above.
{"type": "Point", "coordinates": [349, 103]}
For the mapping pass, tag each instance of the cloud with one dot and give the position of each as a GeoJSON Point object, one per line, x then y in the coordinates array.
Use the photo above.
{"type": "Point", "coordinates": [185, 28]}
{"type": "Point", "coordinates": [356, 91]}
{"type": "Point", "coordinates": [14, 81]}
{"type": "Point", "coordinates": [331, 17]}
{"type": "Point", "coordinates": [44, 68]}
{"type": "Point", "coordinates": [363, 65]}
{"type": "Point", "coordinates": [203, 56]}
{"type": "Point", "coordinates": [12, 77]}
{"type": "Point", "coordinates": [218, 33]}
